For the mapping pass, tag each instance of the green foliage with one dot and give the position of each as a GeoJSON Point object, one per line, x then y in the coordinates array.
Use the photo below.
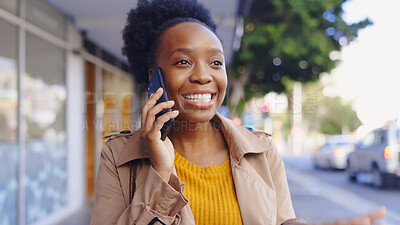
{"type": "Point", "coordinates": [339, 115]}
{"type": "Point", "coordinates": [328, 115]}
{"type": "Point", "coordinates": [298, 34]}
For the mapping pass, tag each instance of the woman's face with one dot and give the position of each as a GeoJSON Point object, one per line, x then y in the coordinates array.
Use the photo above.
{"type": "Point", "coordinates": [193, 65]}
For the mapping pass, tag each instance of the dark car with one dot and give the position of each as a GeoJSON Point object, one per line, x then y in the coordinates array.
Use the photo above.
{"type": "Point", "coordinates": [378, 154]}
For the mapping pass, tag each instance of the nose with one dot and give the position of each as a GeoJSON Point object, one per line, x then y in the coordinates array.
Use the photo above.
{"type": "Point", "coordinates": [201, 74]}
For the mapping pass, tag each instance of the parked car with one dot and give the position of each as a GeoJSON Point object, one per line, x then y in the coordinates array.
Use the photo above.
{"type": "Point", "coordinates": [378, 154]}
{"type": "Point", "coordinates": [333, 154]}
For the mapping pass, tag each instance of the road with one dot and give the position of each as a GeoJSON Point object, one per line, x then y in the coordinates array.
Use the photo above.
{"type": "Point", "coordinates": [323, 195]}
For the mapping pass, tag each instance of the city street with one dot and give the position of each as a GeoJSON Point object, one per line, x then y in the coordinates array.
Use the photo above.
{"type": "Point", "coordinates": [325, 195]}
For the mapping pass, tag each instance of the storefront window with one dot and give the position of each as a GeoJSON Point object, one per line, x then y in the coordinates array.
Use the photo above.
{"type": "Point", "coordinates": [126, 100]}
{"type": "Point", "coordinates": [118, 102]}
{"type": "Point", "coordinates": [44, 93]}
{"type": "Point", "coordinates": [110, 116]}
{"type": "Point", "coordinates": [8, 124]}
{"type": "Point", "coordinates": [45, 17]}
{"type": "Point", "coordinates": [9, 5]}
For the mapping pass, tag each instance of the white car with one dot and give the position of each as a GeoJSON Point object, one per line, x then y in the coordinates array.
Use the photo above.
{"type": "Point", "coordinates": [333, 154]}
{"type": "Point", "coordinates": [378, 154]}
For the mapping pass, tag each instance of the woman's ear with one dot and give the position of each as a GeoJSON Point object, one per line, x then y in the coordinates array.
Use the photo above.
{"type": "Point", "coordinates": [150, 73]}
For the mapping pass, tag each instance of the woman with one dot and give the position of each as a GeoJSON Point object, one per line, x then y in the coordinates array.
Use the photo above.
{"type": "Point", "coordinates": [232, 175]}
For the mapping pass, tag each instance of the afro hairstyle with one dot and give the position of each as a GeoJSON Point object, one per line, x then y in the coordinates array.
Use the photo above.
{"type": "Point", "coordinates": [146, 23]}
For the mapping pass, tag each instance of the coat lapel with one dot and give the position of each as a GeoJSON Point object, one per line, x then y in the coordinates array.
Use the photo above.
{"type": "Point", "coordinates": [257, 200]}
{"type": "Point", "coordinates": [124, 172]}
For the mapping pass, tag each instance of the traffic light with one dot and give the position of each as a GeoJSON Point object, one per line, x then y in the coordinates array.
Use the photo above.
{"type": "Point", "coordinates": [265, 110]}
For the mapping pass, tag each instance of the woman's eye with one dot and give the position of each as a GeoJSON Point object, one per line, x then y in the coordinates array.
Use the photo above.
{"type": "Point", "coordinates": [217, 63]}
{"type": "Point", "coordinates": [182, 62]}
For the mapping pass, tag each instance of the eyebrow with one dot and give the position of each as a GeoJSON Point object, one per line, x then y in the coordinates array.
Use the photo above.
{"type": "Point", "coordinates": [212, 50]}
{"type": "Point", "coordinates": [179, 50]}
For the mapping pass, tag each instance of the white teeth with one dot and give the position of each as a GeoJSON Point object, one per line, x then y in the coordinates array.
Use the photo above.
{"type": "Point", "coordinates": [199, 97]}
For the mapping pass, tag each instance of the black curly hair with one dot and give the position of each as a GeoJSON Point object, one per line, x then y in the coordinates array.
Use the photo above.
{"type": "Point", "coordinates": [148, 21]}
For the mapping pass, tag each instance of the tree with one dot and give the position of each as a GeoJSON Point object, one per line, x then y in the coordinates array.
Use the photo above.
{"type": "Point", "coordinates": [286, 40]}
{"type": "Point", "coordinates": [327, 114]}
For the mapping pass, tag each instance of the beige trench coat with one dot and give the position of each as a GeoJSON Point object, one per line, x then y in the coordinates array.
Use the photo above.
{"type": "Point", "coordinates": [257, 168]}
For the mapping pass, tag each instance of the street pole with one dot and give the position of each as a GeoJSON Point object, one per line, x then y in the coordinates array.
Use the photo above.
{"type": "Point", "coordinates": [297, 119]}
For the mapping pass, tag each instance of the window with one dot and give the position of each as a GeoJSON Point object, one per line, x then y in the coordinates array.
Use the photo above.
{"type": "Point", "coordinates": [368, 140]}
{"type": "Point", "coordinates": [126, 102]}
{"type": "Point", "coordinates": [9, 5]}
{"type": "Point", "coordinates": [111, 117]}
{"type": "Point", "coordinates": [44, 93]}
{"type": "Point", "coordinates": [8, 124]}
{"type": "Point", "coordinates": [45, 17]}
{"type": "Point", "coordinates": [118, 102]}
{"type": "Point", "coordinates": [379, 136]}
{"type": "Point", "coordinates": [398, 135]}
{"type": "Point", "coordinates": [33, 94]}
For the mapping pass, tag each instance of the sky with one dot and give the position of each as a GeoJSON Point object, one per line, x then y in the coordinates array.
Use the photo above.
{"type": "Point", "coordinates": [369, 71]}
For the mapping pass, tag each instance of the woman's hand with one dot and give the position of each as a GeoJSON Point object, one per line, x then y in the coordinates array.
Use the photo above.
{"type": "Point", "coordinates": [368, 219]}
{"type": "Point", "coordinates": [161, 153]}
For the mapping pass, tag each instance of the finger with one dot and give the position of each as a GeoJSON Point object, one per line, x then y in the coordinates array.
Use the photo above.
{"type": "Point", "coordinates": [379, 223]}
{"type": "Point", "coordinates": [378, 214]}
{"type": "Point", "coordinates": [151, 114]}
{"type": "Point", "coordinates": [363, 220]}
{"type": "Point", "coordinates": [149, 104]}
{"type": "Point", "coordinates": [158, 124]}
{"type": "Point", "coordinates": [159, 107]}
{"type": "Point", "coordinates": [340, 222]}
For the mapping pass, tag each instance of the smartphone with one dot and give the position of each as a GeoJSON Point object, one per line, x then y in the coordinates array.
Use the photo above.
{"type": "Point", "coordinates": [157, 81]}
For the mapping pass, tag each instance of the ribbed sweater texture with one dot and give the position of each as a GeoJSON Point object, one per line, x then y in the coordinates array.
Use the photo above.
{"type": "Point", "coordinates": [210, 191]}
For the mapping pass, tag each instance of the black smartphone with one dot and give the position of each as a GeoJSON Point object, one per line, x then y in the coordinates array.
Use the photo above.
{"type": "Point", "coordinates": [157, 81]}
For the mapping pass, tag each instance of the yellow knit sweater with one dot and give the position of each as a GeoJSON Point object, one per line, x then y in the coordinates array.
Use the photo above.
{"type": "Point", "coordinates": [210, 191]}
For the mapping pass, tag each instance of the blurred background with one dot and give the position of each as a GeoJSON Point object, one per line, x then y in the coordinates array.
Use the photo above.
{"type": "Point", "coordinates": [320, 76]}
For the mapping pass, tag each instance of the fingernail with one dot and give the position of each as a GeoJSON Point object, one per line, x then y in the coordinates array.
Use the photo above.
{"type": "Point", "coordinates": [170, 101]}
{"type": "Point", "coordinates": [175, 111]}
{"type": "Point", "coordinates": [159, 89]}
{"type": "Point", "coordinates": [151, 95]}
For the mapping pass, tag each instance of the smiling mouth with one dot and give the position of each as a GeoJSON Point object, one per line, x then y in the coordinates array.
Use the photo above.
{"type": "Point", "coordinates": [199, 98]}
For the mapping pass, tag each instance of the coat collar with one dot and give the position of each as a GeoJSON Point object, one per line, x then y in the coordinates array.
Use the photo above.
{"type": "Point", "coordinates": [240, 142]}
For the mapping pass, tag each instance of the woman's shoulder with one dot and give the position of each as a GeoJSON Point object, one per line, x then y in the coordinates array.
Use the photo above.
{"type": "Point", "coordinates": [267, 141]}
{"type": "Point", "coordinates": [263, 136]}
{"type": "Point", "coordinates": [113, 135]}
{"type": "Point", "coordinates": [123, 147]}
{"type": "Point", "coordinates": [115, 142]}
{"type": "Point", "coordinates": [260, 133]}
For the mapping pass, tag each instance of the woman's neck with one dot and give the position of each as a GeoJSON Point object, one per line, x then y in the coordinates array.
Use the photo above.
{"type": "Point", "coordinates": [196, 140]}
